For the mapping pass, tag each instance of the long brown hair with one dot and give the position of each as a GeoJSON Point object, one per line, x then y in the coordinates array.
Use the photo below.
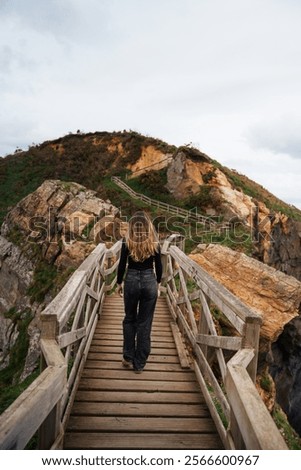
{"type": "Point", "coordinates": [142, 239]}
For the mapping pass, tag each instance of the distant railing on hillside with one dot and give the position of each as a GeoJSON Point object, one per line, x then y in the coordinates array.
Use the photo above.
{"type": "Point", "coordinates": [189, 215]}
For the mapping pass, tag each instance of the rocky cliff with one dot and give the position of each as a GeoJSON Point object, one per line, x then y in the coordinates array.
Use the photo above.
{"type": "Point", "coordinates": [220, 192]}
{"type": "Point", "coordinates": [277, 298]}
{"type": "Point", "coordinates": [43, 239]}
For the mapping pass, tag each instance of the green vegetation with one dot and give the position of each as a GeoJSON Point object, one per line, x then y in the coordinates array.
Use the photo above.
{"type": "Point", "coordinates": [256, 191]}
{"type": "Point", "coordinates": [266, 382]}
{"type": "Point", "coordinates": [9, 376]}
{"type": "Point", "coordinates": [290, 436]}
{"type": "Point", "coordinates": [218, 406]}
{"type": "Point", "coordinates": [153, 184]}
{"type": "Point", "coordinates": [43, 281]}
{"type": "Point", "coordinates": [84, 159]}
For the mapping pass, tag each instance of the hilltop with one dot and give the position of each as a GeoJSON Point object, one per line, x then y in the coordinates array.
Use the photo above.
{"type": "Point", "coordinates": [181, 176]}
{"type": "Point", "coordinates": [89, 158]}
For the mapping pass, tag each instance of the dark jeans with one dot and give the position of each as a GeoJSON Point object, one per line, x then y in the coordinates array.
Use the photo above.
{"type": "Point", "coordinates": [140, 296]}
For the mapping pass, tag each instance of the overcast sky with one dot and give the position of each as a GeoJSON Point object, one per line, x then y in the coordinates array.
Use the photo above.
{"type": "Point", "coordinates": [224, 75]}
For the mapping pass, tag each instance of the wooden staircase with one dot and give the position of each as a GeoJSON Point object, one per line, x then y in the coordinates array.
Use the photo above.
{"type": "Point", "coordinates": [162, 408]}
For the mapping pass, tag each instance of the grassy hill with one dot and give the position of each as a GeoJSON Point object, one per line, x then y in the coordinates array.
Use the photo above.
{"type": "Point", "coordinates": [90, 159]}
{"type": "Point", "coordinates": [83, 158]}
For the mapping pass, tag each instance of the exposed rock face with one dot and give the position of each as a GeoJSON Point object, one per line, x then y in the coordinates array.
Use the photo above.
{"type": "Point", "coordinates": [278, 237]}
{"type": "Point", "coordinates": [151, 159]}
{"type": "Point", "coordinates": [184, 176]}
{"type": "Point", "coordinates": [286, 371]}
{"type": "Point", "coordinates": [273, 294]}
{"type": "Point", "coordinates": [277, 297]}
{"type": "Point", "coordinates": [279, 243]}
{"type": "Point", "coordinates": [191, 170]}
{"type": "Point", "coordinates": [59, 217]}
{"type": "Point", "coordinates": [60, 223]}
{"type": "Point", "coordinates": [16, 272]}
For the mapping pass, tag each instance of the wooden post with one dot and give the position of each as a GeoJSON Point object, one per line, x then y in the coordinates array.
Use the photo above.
{"type": "Point", "coordinates": [109, 265]}
{"type": "Point", "coordinates": [203, 328]}
{"type": "Point", "coordinates": [234, 432]}
{"type": "Point", "coordinates": [251, 340]}
{"type": "Point", "coordinates": [51, 427]}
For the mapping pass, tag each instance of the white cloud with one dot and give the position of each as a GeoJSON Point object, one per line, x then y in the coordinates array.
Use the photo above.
{"type": "Point", "coordinates": [212, 72]}
{"type": "Point", "coordinates": [281, 135]}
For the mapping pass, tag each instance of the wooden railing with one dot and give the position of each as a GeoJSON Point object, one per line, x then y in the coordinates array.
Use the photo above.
{"type": "Point", "coordinates": [189, 215]}
{"type": "Point", "coordinates": [225, 365]}
{"type": "Point", "coordinates": [67, 328]}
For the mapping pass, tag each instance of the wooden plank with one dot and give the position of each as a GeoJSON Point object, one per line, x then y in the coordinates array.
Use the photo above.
{"type": "Point", "coordinates": [231, 343]}
{"type": "Point", "coordinates": [118, 357]}
{"type": "Point", "coordinates": [118, 336]}
{"type": "Point", "coordinates": [140, 409]}
{"type": "Point", "coordinates": [212, 408]}
{"type": "Point", "coordinates": [115, 349]}
{"type": "Point", "coordinates": [242, 358]}
{"type": "Point", "coordinates": [113, 328]}
{"type": "Point", "coordinates": [21, 420]}
{"type": "Point", "coordinates": [141, 441]}
{"type": "Point", "coordinates": [70, 337]}
{"type": "Point", "coordinates": [94, 364]}
{"type": "Point", "coordinates": [73, 382]}
{"type": "Point", "coordinates": [147, 375]}
{"type": "Point", "coordinates": [193, 325]}
{"type": "Point", "coordinates": [92, 293]}
{"type": "Point", "coordinates": [137, 424]}
{"type": "Point", "coordinates": [211, 326]}
{"type": "Point", "coordinates": [51, 352]}
{"type": "Point", "coordinates": [117, 321]}
{"type": "Point", "coordinates": [119, 343]}
{"type": "Point", "coordinates": [251, 341]}
{"type": "Point", "coordinates": [256, 425]}
{"type": "Point", "coordinates": [158, 332]}
{"type": "Point", "coordinates": [183, 356]}
{"type": "Point", "coordinates": [139, 397]}
{"type": "Point", "coordinates": [137, 385]}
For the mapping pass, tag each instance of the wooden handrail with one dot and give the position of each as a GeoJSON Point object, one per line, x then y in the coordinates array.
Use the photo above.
{"type": "Point", "coordinates": [163, 205]}
{"type": "Point", "coordinates": [255, 424]}
{"type": "Point", "coordinates": [68, 325]}
{"type": "Point", "coordinates": [247, 425]}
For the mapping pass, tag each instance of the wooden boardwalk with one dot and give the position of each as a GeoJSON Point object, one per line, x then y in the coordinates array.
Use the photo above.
{"type": "Point", "coordinates": [114, 408]}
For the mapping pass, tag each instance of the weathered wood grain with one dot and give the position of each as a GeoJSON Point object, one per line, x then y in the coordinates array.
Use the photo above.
{"type": "Point", "coordinates": [142, 441]}
{"type": "Point", "coordinates": [164, 400]}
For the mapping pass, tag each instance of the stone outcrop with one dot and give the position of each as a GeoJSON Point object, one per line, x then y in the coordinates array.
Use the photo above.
{"type": "Point", "coordinates": [273, 294]}
{"type": "Point", "coordinates": [277, 237]}
{"type": "Point", "coordinates": [16, 273]}
{"type": "Point", "coordinates": [60, 223]}
{"type": "Point", "coordinates": [277, 298]}
{"type": "Point", "coordinates": [184, 175]}
{"type": "Point", "coordinates": [151, 159]}
{"type": "Point", "coordinates": [286, 371]}
{"type": "Point", "coordinates": [190, 170]}
{"type": "Point", "coordinates": [59, 217]}
{"type": "Point", "coordinates": [278, 243]}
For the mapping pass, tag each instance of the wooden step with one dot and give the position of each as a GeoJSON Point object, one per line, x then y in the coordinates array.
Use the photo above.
{"type": "Point", "coordinates": [153, 441]}
{"type": "Point", "coordinates": [162, 408]}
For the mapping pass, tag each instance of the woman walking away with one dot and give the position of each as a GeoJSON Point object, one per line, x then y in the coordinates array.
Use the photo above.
{"type": "Point", "coordinates": [140, 252]}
